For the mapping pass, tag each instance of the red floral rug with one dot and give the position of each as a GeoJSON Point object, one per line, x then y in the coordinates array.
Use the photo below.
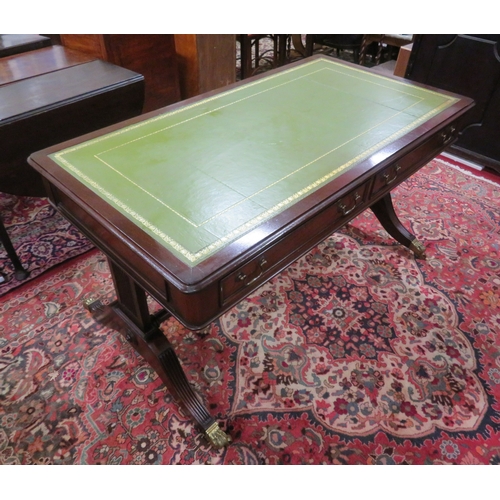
{"type": "Point", "coordinates": [41, 237]}
{"type": "Point", "coordinates": [357, 354]}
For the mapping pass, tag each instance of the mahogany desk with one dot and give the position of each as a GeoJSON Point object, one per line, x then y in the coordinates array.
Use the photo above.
{"type": "Point", "coordinates": [200, 203]}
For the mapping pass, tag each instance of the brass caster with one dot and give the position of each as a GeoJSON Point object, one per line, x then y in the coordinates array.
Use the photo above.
{"type": "Point", "coordinates": [217, 437]}
{"type": "Point", "coordinates": [418, 249]}
{"type": "Point", "coordinates": [92, 305]}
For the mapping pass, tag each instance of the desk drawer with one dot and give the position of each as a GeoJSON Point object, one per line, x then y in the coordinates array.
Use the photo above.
{"type": "Point", "coordinates": [403, 168]}
{"type": "Point", "coordinates": [246, 275]}
{"type": "Point", "coordinates": [252, 274]}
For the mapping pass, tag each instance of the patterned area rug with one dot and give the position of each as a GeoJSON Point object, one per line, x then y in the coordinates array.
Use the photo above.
{"type": "Point", "coordinates": [357, 354]}
{"type": "Point", "coordinates": [41, 237]}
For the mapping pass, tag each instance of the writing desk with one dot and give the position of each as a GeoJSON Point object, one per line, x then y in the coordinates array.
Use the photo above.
{"type": "Point", "coordinates": [200, 203]}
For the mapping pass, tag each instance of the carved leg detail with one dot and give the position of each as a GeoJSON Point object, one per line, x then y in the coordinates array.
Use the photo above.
{"type": "Point", "coordinates": [188, 398]}
{"type": "Point", "coordinates": [155, 348]}
{"type": "Point", "coordinates": [129, 315]}
{"type": "Point", "coordinates": [384, 211]}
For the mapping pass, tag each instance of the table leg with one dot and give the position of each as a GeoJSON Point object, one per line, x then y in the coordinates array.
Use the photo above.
{"type": "Point", "coordinates": [384, 211]}
{"type": "Point", "coordinates": [132, 319]}
{"type": "Point", "coordinates": [19, 272]}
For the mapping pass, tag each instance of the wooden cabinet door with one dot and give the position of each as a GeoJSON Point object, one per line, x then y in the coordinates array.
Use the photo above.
{"type": "Point", "coordinates": [468, 65]}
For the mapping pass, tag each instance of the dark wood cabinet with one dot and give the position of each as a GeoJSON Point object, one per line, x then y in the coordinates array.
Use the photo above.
{"type": "Point", "coordinates": [54, 94]}
{"type": "Point", "coordinates": [468, 65]}
{"type": "Point", "coordinates": [152, 56]}
{"type": "Point", "coordinates": [17, 44]}
{"type": "Point", "coordinates": [206, 62]}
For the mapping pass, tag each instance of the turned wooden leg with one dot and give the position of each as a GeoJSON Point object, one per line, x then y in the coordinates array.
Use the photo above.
{"type": "Point", "coordinates": [132, 319]}
{"type": "Point", "coordinates": [384, 211]}
{"type": "Point", "coordinates": [19, 272]}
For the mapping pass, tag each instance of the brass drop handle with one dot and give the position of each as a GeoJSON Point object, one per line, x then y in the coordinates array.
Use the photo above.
{"type": "Point", "coordinates": [345, 210]}
{"type": "Point", "coordinates": [447, 136]}
{"type": "Point", "coordinates": [390, 180]}
{"type": "Point", "coordinates": [129, 337]}
{"type": "Point", "coordinates": [243, 276]}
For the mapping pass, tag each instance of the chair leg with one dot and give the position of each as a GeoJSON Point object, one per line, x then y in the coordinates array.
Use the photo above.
{"type": "Point", "coordinates": [246, 56]}
{"type": "Point", "coordinates": [309, 45]}
{"type": "Point", "coordinates": [19, 272]}
{"type": "Point", "coordinates": [281, 52]}
{"type": "Point", "coordinates": [362, 52]}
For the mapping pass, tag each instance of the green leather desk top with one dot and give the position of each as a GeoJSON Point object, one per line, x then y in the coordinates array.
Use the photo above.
{"type": "Point", "coordinates": [200, 176]}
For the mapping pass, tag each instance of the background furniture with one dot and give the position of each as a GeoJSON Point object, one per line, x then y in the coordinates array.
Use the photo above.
{"type": "Point", "coordinates": [468, 65]}
{"type": "Point", "coordinates": [403, 60]}
{"type": "Point", "coordinates": [153, 56]}
{"type": "Point", "coordinates": [392, 41]}
{"type": "Point", "coordinates": [51, 95]}
{"type": "Point", "coordinates": [16, 44]}
{"type": "Point", "coordinates": [337, 42]}
{"type": "Point", "coordinates": [38, 62]}
{"type": "Point", "coordinates": [251, 54]}
{"type": "Point", "coordinates": [206, 62]}
{"type": "Point", "coordinates": [19, 272]}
